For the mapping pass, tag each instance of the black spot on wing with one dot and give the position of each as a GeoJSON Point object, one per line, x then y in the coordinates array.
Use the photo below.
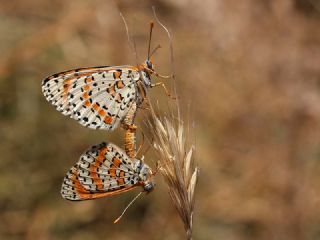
{"type": "Point", "coordinates": [45, 81]}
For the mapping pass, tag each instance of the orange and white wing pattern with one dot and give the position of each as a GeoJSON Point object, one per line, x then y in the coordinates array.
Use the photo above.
{"type": "Point", "coordinates": [105, 170]}
{"type": "Point", "coordinates": [97, 97]}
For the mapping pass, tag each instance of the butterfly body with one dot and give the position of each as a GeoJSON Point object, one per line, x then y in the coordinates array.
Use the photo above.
{"type": "Point", "coordinates": [99, 97]}
{"type": "Point", "coordinates": [105, 170]}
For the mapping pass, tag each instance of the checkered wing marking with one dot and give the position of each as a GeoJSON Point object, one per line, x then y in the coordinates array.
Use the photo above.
{"type": "Point", "coordinates": [102, 171]}
{"type": "Point", "coordinates": [97, 97]}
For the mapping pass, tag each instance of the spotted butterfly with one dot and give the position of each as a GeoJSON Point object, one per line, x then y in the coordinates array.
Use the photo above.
{"type": "Point", "coordinates": [105, 170]}
{"type": "Point", "coordinates": [101, 97]}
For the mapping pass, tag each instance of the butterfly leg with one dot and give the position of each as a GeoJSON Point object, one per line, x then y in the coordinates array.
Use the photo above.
{"type": "Point", "coordinates": [162, 76]}
{"type": "Point", "coordinates": [165, 89]}
{"type": "Point", "coordinates": [159, 75]}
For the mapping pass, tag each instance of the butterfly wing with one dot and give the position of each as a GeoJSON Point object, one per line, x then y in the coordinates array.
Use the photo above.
{"type": "Point", "coordinates": [102, 171]}
{"type": "Point", "coordinates": [97, 97]}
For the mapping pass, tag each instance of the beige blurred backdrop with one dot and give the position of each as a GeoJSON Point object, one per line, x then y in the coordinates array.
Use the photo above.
{"type": "Point", "coordinates": [248, 70]}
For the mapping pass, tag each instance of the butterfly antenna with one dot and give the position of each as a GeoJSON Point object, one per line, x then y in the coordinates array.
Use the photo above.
{"type": "Point", "coordinates": [155, 49]}
{"type": "Point", "coordinates": [151, 27]}
{"type": "Point", "coordinates": [124, 211]}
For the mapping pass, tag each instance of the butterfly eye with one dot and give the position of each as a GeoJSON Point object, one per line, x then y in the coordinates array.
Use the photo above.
{"type": "Point", "coordinates": [148, 187]}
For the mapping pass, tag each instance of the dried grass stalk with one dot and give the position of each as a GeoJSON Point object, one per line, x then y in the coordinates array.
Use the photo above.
{"type": "Point", "coordinates": [175, 149]}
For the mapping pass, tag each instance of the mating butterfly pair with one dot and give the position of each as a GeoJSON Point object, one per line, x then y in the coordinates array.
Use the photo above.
{"type": "Point", "coordinates": [103, 98]}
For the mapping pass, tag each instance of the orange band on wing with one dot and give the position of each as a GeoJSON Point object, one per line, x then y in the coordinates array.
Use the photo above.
{"type": "Point", "coordinates": [86, 88]}
{"type": "Point", "coordinates": [89, 196]}
{"type": "Point", "coordinates": [108, 120]}
{"type": "Point", "coordinates": [112, 172]}
{"type": "Point", "coordinates": [117, 74]}
{"type": "Point", "coordinates": [87, 103]}
{"type": "Point", "coordinates": [116, 162]}
{"type": "Point", "coordinates": [119, 84]}
{"type": "Point", "coordinates": [85, 95]}
{"type": "Point", "coordinates": [101, 157]}
{"type": "Point", "coordinates": [96, 107]}
{"type": "Point", "coordinates": [81, 191]}
{"type": "Point", "coordinates": [102, 113]}
{"type": "Point", "coordinates": [94, 168]}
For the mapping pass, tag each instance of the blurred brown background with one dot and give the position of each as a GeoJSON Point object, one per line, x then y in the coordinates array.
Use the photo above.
{"type": "Point", "coordinates": [250, 70]}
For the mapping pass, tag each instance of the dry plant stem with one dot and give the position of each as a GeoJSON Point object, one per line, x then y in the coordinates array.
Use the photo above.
{"type": "Point", "coordinates": [131, 42]}
{"type": "Point", "coordinates": [175, 152]}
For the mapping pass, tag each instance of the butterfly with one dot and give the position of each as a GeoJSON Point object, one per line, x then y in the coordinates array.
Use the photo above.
{"type": "Point", "coordinates": [105, 170]}
{"type": "Point", "coordinates": [101, 97]}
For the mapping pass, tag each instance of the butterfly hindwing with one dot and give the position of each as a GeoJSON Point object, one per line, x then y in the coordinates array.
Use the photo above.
{"type": "Point", "coordinates": [98, 97]}
{"type": "Point", "coordinates": [101, 171]}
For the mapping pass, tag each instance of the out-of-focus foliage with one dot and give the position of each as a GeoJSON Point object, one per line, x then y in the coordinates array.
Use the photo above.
{"type": "Point", "coordinates": [249, 70]}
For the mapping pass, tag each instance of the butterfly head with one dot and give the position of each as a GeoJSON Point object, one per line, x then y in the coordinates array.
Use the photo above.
{"type": "Point", "coordinates": [148, 186]}
{"type": "Point", "coordinates": [145, 175]}
{"type": "Point", "coordinates": [146, 69]}
{"type": "Point", "coordinates": [149, 65]}
{"type": "Point", "coordinates": [145, 172]}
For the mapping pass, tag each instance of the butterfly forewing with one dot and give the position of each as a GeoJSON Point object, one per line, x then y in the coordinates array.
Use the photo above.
{"type": "Point", "coordinates": [98, 97]}
{"type": "Point", "coordinates": [103, 170]}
